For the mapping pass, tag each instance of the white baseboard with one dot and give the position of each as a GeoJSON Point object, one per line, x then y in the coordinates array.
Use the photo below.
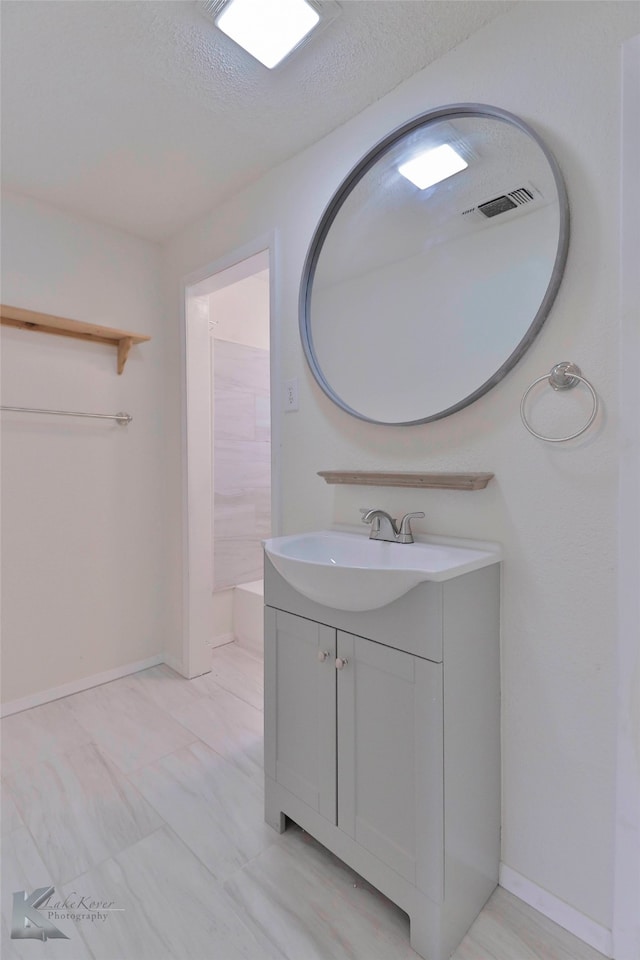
{"type": "Point", "coordinates": [77, 686]}
{"type": "Point", "coordinates": [174, 663]}
{"type": "Point", "coordinates": [178, 667]}
{"type": "Point", "coordinates": [221, 640]}
{"type": "Point", "coordinates": [557, 910]}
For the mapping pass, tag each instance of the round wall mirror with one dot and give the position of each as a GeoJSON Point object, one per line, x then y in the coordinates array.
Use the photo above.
{"type": "Point", "coordinates": [434, 266]}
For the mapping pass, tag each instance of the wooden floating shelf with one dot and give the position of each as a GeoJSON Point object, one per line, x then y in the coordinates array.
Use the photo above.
{"type": "Point", "coordinates": [428, 481]}
{"type": "Point", "coordinates": [63, 327]}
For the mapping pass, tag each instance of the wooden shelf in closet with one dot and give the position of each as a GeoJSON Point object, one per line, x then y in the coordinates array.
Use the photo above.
{"type": "Point", "coordinates": [123, 340]}
{"type": "Point", "coordinates": [431, 481]}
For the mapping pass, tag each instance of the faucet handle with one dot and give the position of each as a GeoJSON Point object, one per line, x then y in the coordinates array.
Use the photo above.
{"type": "Point", "coordinates": [405, 525]}
{"type": "Point", "coordinates": [375, 521]}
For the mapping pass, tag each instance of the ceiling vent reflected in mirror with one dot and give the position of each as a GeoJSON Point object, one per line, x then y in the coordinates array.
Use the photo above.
{"type": "Point", "coordinates": [526, 196]}
{"type": "Point", "coordinates": [509, 201]}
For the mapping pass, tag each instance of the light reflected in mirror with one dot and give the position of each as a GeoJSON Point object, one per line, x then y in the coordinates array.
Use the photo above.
{"type": "Point", "coordinates": [416, 301]}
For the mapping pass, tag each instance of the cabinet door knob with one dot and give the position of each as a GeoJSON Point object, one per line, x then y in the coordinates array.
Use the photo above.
{"type": "Point", "coordinates": [322, 655]}
{"type": "Point", "coordinates": [341, 662]}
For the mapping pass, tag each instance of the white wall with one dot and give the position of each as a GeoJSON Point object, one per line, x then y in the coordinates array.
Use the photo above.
{"type": "Point", "coordinates": [82, 500]}
{"type": "Point", "coordinates": [240, 311]}
{"type": "Point", "coordinates": [557, 65]}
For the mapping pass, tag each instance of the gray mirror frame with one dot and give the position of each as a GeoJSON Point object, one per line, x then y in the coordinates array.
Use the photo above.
{"type": "Point", "coordinates": [447, 112]}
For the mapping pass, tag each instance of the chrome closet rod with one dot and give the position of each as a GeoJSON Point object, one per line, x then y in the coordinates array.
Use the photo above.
{"type": "Point", "coordinates": [121, 418]}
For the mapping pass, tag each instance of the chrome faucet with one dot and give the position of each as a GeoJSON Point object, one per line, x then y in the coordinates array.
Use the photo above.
{"type": "Point", "coordinates": [384, 527]}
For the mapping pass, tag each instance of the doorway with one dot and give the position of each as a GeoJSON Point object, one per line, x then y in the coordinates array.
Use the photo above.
{"type": "Point", "coordinates": [229, 361]}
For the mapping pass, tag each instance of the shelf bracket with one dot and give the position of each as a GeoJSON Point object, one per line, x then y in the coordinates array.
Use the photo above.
{"type": "Point", "coordinates": [124, 346]}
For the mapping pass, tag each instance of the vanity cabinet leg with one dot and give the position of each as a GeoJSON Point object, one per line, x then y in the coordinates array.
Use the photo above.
{"type": "Point", "coordinates": [272, 812]}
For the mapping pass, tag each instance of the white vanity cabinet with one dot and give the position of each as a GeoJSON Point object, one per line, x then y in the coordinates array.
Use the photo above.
{"type": "Point", "coordinates": [390, 758]}
{"type": "Point", "coordinates": [382, 741]}
{"type": "Point", "coordinates": [300, 745]}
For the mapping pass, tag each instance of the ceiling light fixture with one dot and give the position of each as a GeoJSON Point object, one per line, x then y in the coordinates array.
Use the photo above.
{"type": "Point", "coordinates": [434, 165]}
{"type": "Point", "coordinates": [268, 29]}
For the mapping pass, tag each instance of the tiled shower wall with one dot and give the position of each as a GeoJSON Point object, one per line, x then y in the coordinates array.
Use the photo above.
{"type": "Point", "coordinates": [242, 462]}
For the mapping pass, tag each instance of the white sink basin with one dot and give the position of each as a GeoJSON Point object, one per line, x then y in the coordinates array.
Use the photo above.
{"type": "Point", "coordinates": [349, 571]}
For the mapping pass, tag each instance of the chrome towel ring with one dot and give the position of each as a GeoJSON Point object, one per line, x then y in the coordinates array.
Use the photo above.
{"type": "Point", "coordinates": [564, 376]}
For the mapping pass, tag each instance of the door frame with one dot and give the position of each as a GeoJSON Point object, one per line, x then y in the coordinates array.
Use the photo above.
{"type": "Point", "coordinates": [626, 900]}
{"type": "Point", "coordinates": [197, 451]}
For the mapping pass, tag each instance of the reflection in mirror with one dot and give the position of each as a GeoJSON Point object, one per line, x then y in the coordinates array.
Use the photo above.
{"type": "Point", "coordinates": [417, 299]}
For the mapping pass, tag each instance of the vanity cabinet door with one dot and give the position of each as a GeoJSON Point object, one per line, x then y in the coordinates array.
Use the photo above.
{"type": "Point", "coordinates": [390, 758]}
{"type": "Point", "coordinates": [300, 708]}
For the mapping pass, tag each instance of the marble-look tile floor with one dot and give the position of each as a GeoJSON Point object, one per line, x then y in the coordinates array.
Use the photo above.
{"type": "Point", "coordinates": [146, 793]}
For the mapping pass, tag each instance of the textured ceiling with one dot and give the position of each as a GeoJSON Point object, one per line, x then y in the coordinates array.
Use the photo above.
{"type": "Point", "coordinates": [142, 115]}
